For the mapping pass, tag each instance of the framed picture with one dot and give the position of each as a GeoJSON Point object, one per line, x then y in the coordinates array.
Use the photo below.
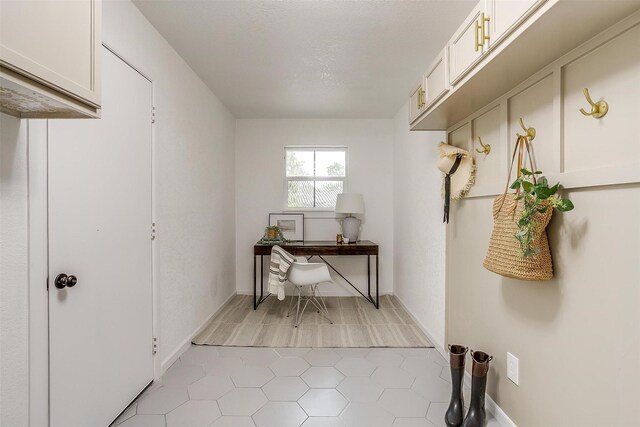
{"type": "Point", "coordinates": [291, 224]}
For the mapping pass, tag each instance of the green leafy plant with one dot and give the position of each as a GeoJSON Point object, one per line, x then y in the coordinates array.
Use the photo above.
{"type": "Point", "coordinates": [537, 197]}
{"type": "Point", "coordinates": [273, 233]}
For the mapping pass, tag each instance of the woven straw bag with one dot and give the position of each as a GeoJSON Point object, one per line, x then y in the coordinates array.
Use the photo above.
{"type": "Point", "coordinates": [504, 256]}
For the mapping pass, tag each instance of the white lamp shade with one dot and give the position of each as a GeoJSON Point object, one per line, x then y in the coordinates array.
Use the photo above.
{"type": "Point", "coordinates": [350, 203]}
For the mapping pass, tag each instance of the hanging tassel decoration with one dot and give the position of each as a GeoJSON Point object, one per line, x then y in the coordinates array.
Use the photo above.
{"type": "Point", "coordinates": [447, 187]}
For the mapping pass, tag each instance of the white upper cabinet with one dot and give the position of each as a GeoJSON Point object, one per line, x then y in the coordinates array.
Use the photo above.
{"type": "Point", "coordinates": [436, 80]}
{"type": "Point", "coordinates": [505, 15]}
{"type": "Point", "coordinates": [575, 110]}
{"type": "Point", "coordinates": [50, 58]}
{"type": "Point", "coordinates": [468, 43]}
{"type": "Point", "coordinates": [487, 24]}
{"type": "Point", "coordinates": [501, 43]}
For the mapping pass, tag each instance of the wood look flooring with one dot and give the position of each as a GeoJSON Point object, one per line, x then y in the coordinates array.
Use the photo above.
{"type": "Point", "coordinates": [356, 323]}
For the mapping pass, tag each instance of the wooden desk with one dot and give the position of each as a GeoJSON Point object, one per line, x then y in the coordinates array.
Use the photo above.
{"type": "Point", "coordinates": [319, 249]}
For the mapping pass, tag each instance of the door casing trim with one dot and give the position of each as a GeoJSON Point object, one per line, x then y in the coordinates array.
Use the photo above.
{"type": "Point", "coordinates": [38, 213]}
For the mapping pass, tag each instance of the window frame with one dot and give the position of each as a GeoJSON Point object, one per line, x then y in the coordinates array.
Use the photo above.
{"type": "Point", "coordinates": [286, 179]}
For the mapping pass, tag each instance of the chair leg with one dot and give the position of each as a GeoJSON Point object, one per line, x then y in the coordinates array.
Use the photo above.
{"type": "Point", "coordinates": [323, 304]}
{"type": "Point", "coordinates": [323, 309]}
{"type": "Point", "coordinates": [300, 313]}
{"type": "Point", "coordinates": [314, 300]}
{"type": "Point", "coordinates": [297, 322]}
{"type": "Point", "coordinates": [304, 307]}
{"type": "Point", "coordinates": [290, 305]}
{"type": "Point", "coordinates": [307, 298]}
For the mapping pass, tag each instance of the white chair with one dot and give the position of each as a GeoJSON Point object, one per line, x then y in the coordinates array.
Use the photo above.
{"type": "Point", "coordinates": [306, 277]}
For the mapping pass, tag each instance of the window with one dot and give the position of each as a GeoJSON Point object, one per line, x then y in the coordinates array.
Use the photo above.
{"type": "Point", "coordinates": [314, 176]}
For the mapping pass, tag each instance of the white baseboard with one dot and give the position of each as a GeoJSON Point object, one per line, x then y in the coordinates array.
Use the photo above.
{"type": "Point", "coordinates": [184, 345]}
{"type": "Point", "coordinates": [498, 413]}
{"type": "Point", "coordinates": [438, 345]}
{"type": "Point", "coordinates": [491, 406]}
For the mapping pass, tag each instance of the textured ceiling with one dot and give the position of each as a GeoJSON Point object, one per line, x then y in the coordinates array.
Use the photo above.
{"type": "Point", "coordinates": [311, 59]}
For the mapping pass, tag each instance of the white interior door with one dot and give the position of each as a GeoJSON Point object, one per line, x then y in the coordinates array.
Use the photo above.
{"type": "Point", "coordinates": [99, 231]}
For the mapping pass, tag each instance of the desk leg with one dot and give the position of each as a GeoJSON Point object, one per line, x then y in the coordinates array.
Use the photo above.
{"type": "Point", "coordinates": [261, 277]}
{"type": "Point", "coordinates": [369, 277]}
{"type": "Point", "coordinates": [255, 303]}
{"type": "Point", "coordinates": [377, 285]}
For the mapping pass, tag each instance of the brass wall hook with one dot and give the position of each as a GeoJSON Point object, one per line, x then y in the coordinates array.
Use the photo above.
{"type": "Point", "coordinates": [530, 133]}
{"type": "Point", "coordinates": [486, 148]}
{"type": "Point", "coordinates": [598, 109]}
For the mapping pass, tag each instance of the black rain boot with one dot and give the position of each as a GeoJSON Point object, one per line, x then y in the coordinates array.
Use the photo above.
{"type": "Point", "coordinates": [454, 415]}
{"type": "Point", "coordinates": [477, 416]}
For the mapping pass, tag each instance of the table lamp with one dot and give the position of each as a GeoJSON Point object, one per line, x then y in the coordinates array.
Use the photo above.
{"type": "Point", "coordinates": [350, 203]}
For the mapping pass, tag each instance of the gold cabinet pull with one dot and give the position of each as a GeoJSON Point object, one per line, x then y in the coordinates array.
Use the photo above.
{"type": "Point", "coordinates": [530, 133]}
{"type": "Point", "coordinates": [486, 148]}
{"type": "Point", "coordinates": [421, 96]}
{"type": "Point", "coordinates": [485, 31]}
{"type": "Point", "coordinates": [598, 109]}
{"type": "Point", "coordinates": [480, 27]}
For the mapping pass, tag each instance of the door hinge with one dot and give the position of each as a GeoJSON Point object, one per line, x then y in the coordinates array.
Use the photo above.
{"type": "Point", "coordinates": [47, 283]}
{"type": "Point", "coordinates": [153, 231]}
{"type": "Point", "coordinates": [154, 346]}
{"type": "Point", "coordinates": [153, 115]}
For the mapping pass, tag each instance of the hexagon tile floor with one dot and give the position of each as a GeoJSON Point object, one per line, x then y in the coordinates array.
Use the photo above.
{"type": "Point", "coordinates": [292, 387]}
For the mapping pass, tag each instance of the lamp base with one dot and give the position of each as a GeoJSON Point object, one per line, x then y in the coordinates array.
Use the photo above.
{"type": "Point", "coordinates": [351, 228]}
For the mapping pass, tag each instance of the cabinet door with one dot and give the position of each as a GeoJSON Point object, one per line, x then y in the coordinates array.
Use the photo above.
{"type": "Point", "coordinates": [465, 46]}
{"type": "Point", "coordinates": [54, 43]}
{"type": "Point", "coordinates": [436, 80]}
{"type": "Point", "coordinates": [505, 15]}
{"type": "Point", "coordinates": [416, 103]}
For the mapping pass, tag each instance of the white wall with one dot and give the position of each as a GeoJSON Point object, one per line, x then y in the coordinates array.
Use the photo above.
{"type": "Point", "coordinates": [14, 272]}
{"type": "Point", "coordinates": [194, 173]}
{"type": "Point", "coordinates": [419, 234]}
{"type": "Point", "coordinates": [259, 189]}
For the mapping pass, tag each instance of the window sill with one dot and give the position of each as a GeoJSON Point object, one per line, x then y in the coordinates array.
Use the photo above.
{"type": "Point", "coordinates": [308, 210]}
{"type": "Point", "coordinates": [316, 213]}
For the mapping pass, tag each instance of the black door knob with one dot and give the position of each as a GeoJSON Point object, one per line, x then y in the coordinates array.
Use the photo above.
{"type": "Point", "coordinates": [61, 281]}
{"type": "Point", "coordinates": [71, 281]}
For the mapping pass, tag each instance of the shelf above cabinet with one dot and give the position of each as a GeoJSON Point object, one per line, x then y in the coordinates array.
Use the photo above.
{"type": "Point", "coordinates": [26, 98]}
{"type": "Point", "coordinates": [553, 30]}
{"type": "Point", "coordinates": [50, 58]}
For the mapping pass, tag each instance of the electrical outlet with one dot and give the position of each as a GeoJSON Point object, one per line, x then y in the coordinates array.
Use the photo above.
{"type": "Point", "coordinates": [513, 369]}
